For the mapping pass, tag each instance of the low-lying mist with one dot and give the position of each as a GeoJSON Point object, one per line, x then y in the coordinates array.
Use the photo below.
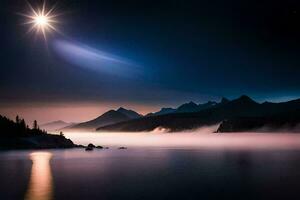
{"type": "Point", "coordinates": [287, 128]}
{"type": "Point", "coordinates": [201, 138]}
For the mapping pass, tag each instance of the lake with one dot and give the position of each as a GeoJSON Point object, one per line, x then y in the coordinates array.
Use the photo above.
{"type": "Point", "coordinates": [157, 166]}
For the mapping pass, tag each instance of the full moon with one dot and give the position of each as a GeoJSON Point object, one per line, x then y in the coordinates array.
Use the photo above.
{"type": "Point", "coordinates": [41, 19]}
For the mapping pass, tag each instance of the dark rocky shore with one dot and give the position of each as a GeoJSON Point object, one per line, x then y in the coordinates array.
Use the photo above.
{"type": "Point", "coordinates": [45, 141]}
{"type": "Point", "coordinates": [17, 135]}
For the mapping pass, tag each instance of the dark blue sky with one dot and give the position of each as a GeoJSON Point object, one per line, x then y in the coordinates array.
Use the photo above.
{"type": "Point", "coordinates": [184, 50]}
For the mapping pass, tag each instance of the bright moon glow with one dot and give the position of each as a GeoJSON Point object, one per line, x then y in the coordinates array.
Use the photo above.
{"type": "Point", "coordinates": [41, 20]}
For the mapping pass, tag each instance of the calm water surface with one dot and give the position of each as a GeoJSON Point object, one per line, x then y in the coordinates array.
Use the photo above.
{"type": "Point", "coordinates": [155, 172]}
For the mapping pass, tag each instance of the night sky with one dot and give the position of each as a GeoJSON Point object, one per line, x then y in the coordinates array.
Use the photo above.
{"type": "Point", "coordinates": [160, 53]}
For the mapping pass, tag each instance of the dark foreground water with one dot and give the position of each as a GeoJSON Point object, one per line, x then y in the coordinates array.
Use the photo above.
{"type": "Point", "coordinates": [150, 173]}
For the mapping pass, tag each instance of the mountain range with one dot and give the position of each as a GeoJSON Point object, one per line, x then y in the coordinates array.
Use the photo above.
{"type": "Point", "coordinates": [242, 107]}
{"type": "Point", "coordinates": [239, 114]}
{"type": "Point", "coordinates": [120, 115]}
{"type": "Point", "coordinates": [184, 108]}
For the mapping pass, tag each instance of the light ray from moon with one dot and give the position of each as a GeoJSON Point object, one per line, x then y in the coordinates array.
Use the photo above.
{"type": "Point", "coordinates": [90, 58]}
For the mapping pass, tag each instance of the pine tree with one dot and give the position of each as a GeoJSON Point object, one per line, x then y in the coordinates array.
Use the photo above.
{"type": "Point", "coordinates": [17, 119]}
{"type": "Point", "coordinates": [23, 124]}
{"type": "Point", "coordinates": [35, 125]}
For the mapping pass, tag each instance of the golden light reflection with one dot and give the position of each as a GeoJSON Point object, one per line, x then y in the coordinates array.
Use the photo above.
{"type": "Point", "coordinates": [40, 186]}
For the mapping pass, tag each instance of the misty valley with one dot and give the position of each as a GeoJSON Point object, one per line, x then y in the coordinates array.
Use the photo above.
{"type": "Point", "coordinates": [149, 100]}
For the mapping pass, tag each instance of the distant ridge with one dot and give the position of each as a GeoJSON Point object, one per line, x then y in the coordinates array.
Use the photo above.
{"type": "Point", "coordinates": [163, 111]}
{"type": "Point", "coordinates": [110, 117]}
{"type": "Point", "coordinates": [55, 125]}
{"type": "Point", "coordinates": [224, 100]}
{"type": "Point", "coordinates": [185, 108]}
{"type": "Point", "coordinates": [129, 113]}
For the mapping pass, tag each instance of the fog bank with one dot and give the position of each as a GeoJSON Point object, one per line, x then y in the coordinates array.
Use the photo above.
{"type": "Point", "coordinates": [201, 138]}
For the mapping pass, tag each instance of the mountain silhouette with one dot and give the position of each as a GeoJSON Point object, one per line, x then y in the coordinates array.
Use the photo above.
{"type": "Point", "coordinates": [187, 107]}
{"type": "Point", "coordinates": [55, 125]}
{"type": "Point", "coordinates": [110, 117]}
{"type": "Point", "coordinates": [193, 107]}
{"type": "Point", "coordinates": [163, 111]}
{"type": "Point", "coordinates": [129, 113]}
{"type": "Point", "coordinates": [184, 108]}
{"type": "Point", "coordinates": [224, 100]}
{"type": "Point", "coordinates": [243, 106]}
{"type": "Point", "coordinates": [282, 122]}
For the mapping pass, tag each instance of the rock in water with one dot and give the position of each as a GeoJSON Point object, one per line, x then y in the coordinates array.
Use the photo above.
{"type": "Point", "coordinates": [90, 147]}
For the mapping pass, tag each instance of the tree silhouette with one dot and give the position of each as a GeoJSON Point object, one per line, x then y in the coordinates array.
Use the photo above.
{"type": "Point", "coordinates": [17, 119]}
{"type": "Point", "coordinates": [20, 136]}
{"type": "Point", "coordinates": [35, 125]}
{"type": "Point", "coordinates": [61, 133]}
{"type": "Point", "coordinates": [23, 124]}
